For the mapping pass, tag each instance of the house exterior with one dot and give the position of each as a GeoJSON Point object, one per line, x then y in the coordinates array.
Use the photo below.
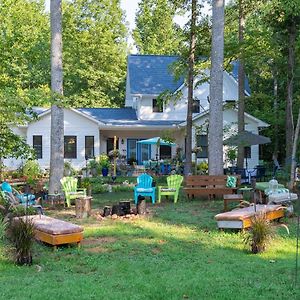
{"type": "Point", "coordinates": [90, 131]}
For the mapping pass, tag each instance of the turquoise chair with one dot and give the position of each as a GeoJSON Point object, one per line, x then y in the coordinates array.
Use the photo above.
{"type": "Point", "coordinates": [28, 199]}
{"type": "Point", "coordinates": [174, 183]}
{"type": "Point", "coordinates": [144, 188]}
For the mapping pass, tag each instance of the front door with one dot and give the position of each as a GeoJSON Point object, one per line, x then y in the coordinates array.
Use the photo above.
{"type": "Point", "coordinates": [137, 151]}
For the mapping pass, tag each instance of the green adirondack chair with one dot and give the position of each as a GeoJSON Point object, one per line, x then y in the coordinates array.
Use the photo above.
{"type": "Point", "coordinates": [174, 183]}
{"type": "Point", "coordinates": [69, 185]}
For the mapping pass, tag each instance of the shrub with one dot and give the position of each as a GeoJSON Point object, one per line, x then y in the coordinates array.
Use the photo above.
{"type": "Point", "coordinates": [100, 188]}
{"type": "Point", "coordinates": [260, 233]}
{"type": "Point", "coordinates": [31, 169]}
{"type": "Point", "coordinates": [103, 160]}
{"type": "Point", "coordinates": [202, 167]}
{"type": "Point", "coordinates": [122, 188]}
{"type": "Point", "coordinates": [20, 211]}
{"type": "Point", "coordinates": [21, 235]}
{"type": "Point", "coordinates": [3, 226]}
{"type": "Point", "coordinates": [68, 169]}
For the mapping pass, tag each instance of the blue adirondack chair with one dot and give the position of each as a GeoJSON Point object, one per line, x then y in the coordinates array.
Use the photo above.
{"type": "Point", "coordinates": [144, 188]}
{"type": "Point", "coordinates": [28, 199]}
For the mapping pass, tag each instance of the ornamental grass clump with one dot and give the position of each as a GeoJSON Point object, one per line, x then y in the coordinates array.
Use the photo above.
{"type": "Point", "coordinates": [21, 235]}
{"type": "Point", "coordinates": [260, 233]}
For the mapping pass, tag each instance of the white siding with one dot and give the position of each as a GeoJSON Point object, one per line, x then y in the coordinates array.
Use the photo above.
{"type": "Point", "coordinates": [230, 122]}
{"type": "Point", "coordinates": [74, 124]}
{"type": "Point", "coordinates": [178, 110]}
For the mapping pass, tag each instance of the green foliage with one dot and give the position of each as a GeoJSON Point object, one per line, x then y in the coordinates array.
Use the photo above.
{"type": "Point", "coordinates": [260, 234]}
{"type": "Point", "coordinates": [95, 32]}
{"type": "Point", "coordinates": [202, 167]}
{"type": "Point", "coordinates": [103, 161]}
{"type": "Point", "coordinates": [21, 210]}
{"type": "Point", "coordinates": [122, 188]}
{"type": "Point", "coordinates": [156, 31]}
{"type": "Point", "coordinates": [21, 234]}
{"type": "Point", "coordinates": [3, 227]}
{"type": "Point", "coordinates": [99, 188]}
{"type": "Point", "coordinates": [31, 169]}
{"type": "Point", "coordinates": [68, 169]}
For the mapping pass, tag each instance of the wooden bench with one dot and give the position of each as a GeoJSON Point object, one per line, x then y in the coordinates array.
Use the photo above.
{"type": "Point", "coordinates": [56, 232]}
{"type": "Point", "coordinates": [241, 218]}
{"type": "Point", "coordinates": [206, 185]}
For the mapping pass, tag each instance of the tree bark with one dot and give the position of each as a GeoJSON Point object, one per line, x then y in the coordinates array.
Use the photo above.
{"type": "Point", "coordinates": [189, 118]}
{"type": "Point", "coordinates": [215, 135]}
{"type": "Point", "coordinates": [289, 122]}
{"type": "Point", "coordinates": [275, 107]}
{"type": "Point", "coordinates": [57, 113]}
{"type": "Point", "coordinates": [241, 85]}
{"type": "Point", "coordinates": [294, 150]}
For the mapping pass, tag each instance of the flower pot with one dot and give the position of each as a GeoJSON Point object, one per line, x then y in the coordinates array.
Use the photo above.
{"type": "Point", "coordinates": [104, 172]}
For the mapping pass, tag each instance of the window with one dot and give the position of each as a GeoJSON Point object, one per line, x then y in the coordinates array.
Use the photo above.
{"type": "Point", "coordinates": [89, 147]}
{"type": "Point", "coordinates": [38, 146]}
{"type": "Point", "coordinates": [196, 106]}
{"type": "Point", "coordinates": [203, 143]}
{"type": "Point", "coordinates": [110, 144]}
{"type": "Point", "coordinates": [70, 146]}
{"type": "Point", "coordinates": [157, 106]}
{"type": "Point", "coordinates": [247, 152]}
{"type": "Point", "coordinates": [165, 152]}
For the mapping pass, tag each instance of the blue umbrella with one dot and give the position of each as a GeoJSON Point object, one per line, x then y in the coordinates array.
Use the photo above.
{"type": "Point", "coordinates": [156, 141]}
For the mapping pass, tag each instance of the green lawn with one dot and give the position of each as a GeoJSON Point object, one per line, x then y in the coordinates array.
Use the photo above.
{"type": "Point", "coordinates": [175, 252]}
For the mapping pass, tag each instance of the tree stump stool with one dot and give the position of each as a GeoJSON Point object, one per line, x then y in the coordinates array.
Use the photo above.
{"type": "Point", "coordinates": [141, 206]}
{"type": "Point", "coordinates": [83, 207]}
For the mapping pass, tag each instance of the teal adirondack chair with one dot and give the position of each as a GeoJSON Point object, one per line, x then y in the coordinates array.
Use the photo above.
{"type": "Point", "coordinates": [69, 185]}
{"type": "Point", "coordinates": [174, 183]}
{"type": "Point", "coordinates": [144, 188]}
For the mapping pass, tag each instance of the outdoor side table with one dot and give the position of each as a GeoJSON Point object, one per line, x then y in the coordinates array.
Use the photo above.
{"type": "Point", "coordinates": [232, 198]}
{"type": "Point", "coordinates": [55, 198]}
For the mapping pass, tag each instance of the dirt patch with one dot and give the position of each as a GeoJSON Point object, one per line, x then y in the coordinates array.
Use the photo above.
{"type": "Point", "coordinates": [98, 249]}
{"type": "Point", "coordinates": [100, 240]}
{"type": "Point", "coordinates": [156, 250]}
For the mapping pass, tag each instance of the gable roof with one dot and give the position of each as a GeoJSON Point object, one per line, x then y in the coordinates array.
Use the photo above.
{"type": "Point", "coordinates": [235, 74]}
{"type": "Point", "coordinates": [151, 74]}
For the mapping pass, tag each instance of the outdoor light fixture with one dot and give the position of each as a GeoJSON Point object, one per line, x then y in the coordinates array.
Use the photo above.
{"type": "Point", "coordinates": [122, 141]}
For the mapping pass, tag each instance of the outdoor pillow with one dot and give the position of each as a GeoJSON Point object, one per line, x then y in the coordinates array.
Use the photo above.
{"type": "Point", "coordinates": [168, 190]}
{"type": "Point", "coordinates": [231, 182]}
{"type": "Point", "coordinates": [144, 190]}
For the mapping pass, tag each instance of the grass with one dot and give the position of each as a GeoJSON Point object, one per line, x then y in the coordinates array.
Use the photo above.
{"type": "Point", "coordinates": [175, 252]}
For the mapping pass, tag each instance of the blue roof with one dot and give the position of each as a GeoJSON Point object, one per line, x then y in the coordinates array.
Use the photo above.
{"type": "Point", "coordinates": [151, 74]}
{"type": "Point", "coordinates": [235, 74]}
{"type": "Point", "coordinates": [109, 114]}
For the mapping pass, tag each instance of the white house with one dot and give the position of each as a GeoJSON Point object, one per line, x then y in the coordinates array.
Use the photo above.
{"type": "Point", "coordinates": [90, 131]}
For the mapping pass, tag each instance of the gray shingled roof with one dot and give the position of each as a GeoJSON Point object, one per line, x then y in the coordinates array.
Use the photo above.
{"type": "Point", "coordinates": [151, 74]}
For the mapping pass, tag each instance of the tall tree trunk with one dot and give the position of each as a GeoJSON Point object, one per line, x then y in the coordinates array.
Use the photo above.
{"type": "Point", "coordinates": [189, 118]}
{"type": "Point", "coordinates": [57, 113]}
{"type": "Point", "coordinates": [294, 150]}
{"type": "Point", "coordinates": [241, 84]}
{"type": "Point", "coordinates": [215, 135]}
{"type": "Point", "coordinates": [289, 122]}
{"type": "Point", "coordinates": [275, 107]}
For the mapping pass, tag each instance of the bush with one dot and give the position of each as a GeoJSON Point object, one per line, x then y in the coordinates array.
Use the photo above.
{"type": "Point", "coordinates": [202, 167]}
{"type": "Point", "coordinates": [31, 169]}
{"type": "Point", "coordinates": [20, 211]}
{"type": "Point", "coordinates": [3, 226]}
{"type": "Point", "coordinates": [122, 188]}
{"type": "Point", "coordinates": [260, 233]}
{"type": "Point", "coordinates": [99, 188]}
{"type": "Point", "coordinates": [21, 234]}
{"type": "Point", "coordinates": [68, 169]}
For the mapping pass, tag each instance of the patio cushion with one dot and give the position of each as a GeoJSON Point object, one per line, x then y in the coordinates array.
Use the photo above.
{"type": "Point", "coordinates": [168, 190]}
{"type": "Point", "coordinates": [231, 181]}
{"type": "Point", "coordinates": [144, 190]}
{"type": "Point", "coordinates": [54, 226]}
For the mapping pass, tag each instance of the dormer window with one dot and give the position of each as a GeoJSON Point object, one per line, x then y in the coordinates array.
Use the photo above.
{"type": "Point", "coordinates": [196, 106]}
{"type": "Point", "coordinates": [157, 106]}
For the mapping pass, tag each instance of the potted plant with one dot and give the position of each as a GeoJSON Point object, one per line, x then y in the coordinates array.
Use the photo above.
{"type": "Point", "coordinates": [93, 166]}
{"type": "Point", "coordinates": [104, 164]}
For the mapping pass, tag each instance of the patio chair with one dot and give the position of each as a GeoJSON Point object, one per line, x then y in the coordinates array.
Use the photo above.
{"type": "Point", "coordinates": [25, 198]}
{"type": "Point", "coordinates": [174, 183]}
{"type": "Point", "coordinates": [15, 199]}
{"type": "Point", "coordinates": [144, 188]}
{"type": "Point", "coordinates": [69, 185]}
